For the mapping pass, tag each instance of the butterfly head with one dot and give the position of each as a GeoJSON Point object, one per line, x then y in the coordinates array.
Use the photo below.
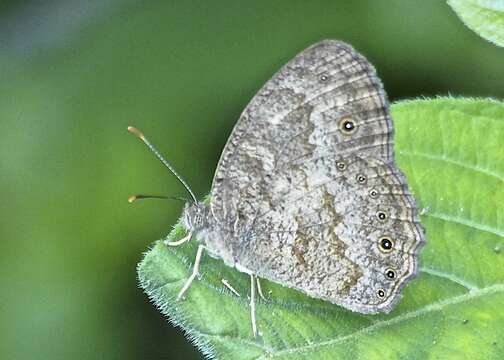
{"type": "Point", "coordinates": [194, 216]}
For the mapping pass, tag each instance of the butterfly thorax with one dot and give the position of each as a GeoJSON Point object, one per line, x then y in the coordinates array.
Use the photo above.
{"type": "Point", "coordinates": [194, 216]}
{"type": "Point", "coordinates": [216, 236]}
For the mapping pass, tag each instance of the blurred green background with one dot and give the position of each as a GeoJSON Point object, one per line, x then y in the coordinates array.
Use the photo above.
{"type": "Point", "coordinates": [74, 74]}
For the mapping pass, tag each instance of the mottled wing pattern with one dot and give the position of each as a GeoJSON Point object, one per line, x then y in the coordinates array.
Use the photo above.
{"type": "Point", "coordinates": [308, 183]}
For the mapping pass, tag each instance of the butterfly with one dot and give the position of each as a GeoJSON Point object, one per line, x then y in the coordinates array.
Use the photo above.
{"type": "Point", "coordinates": [307, 193]}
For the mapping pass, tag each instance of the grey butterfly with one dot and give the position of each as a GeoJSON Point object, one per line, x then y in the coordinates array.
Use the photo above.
{"type": "Point", "coordinates": [306, 193]}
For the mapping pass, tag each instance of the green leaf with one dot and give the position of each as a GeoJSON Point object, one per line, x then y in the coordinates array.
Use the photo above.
{"type": "Point", "coordinates": [485, 17]}
{"type": "Point", "coordinates": [452, 152]}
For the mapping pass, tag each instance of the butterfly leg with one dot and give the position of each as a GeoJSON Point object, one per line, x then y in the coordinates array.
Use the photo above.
{"type": "Point", "coordinates": [252, 305]}
{"type": "Point", "coordinates": [194, 272]}
{"type": "Point", "coordinates": [228, 285]}
{"type": "Point", "coordinates": [424, 210]}
{"type": "Point", "coordinates": [259, 290]}
{"type": "Point", "coordinates": [181, 241]}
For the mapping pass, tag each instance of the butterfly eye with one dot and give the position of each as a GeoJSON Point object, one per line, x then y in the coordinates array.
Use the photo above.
{"type": "Point", "coordinates": [386, 244]}
{"type": "Point", "coordinates": [380, 293]}
{"type": "Point", "coordinates": [390, 274]}
{"type": "Point", "coordinates": [361, 179]}
{"type": "Point", "coordinates": [381, 215]}
{"type": "Point", "coordinates": [347, 125]}
{"type": "Point", "coordinates": [323, 77]}
{"type": "Point", "coordinates": [373, 193]}
{"type": "Point", "coordinates": [341, 165]}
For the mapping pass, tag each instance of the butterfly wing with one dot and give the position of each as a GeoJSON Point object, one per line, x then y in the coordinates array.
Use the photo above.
{"type": "Point", "coordinates": [308, 183]}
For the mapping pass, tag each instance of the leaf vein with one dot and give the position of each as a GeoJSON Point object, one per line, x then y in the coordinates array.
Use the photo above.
{"type": "Point", "coordinates": [444, 158]}
{"type": "Point", "coordinates": [466, 222]}
{"type": "Point", "coordinates": [466, 284]}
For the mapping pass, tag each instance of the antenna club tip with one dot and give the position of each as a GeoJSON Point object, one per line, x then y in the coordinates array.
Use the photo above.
{"type": "Point", "coordinates": [132, 199]}
{"type": "Point", "coordinates": [136, 132]}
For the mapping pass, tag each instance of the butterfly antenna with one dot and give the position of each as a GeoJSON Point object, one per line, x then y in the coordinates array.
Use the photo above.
{"type": "Point", "coordinates": [137, 197]}
{"type": "Point", "coordinates": [142, 137]}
